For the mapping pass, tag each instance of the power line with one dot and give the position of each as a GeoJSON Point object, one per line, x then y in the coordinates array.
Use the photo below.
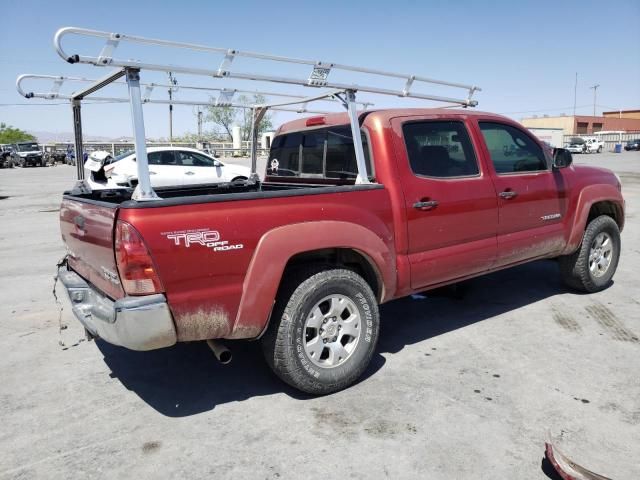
{"type": "Point", "coordinates": [544, 110]}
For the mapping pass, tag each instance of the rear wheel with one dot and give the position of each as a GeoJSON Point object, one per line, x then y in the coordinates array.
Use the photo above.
{"type": "Point", "coordinates": [600, 149]}
{"type": "Point", "coordinates": [239, 179]}
{"type": "Point", "coordinates": [324, 330]}
{"type": "Point", "coordinates": [592, 266]}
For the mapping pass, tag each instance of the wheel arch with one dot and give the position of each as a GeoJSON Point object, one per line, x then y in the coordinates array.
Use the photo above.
{"type": "Point", "coordinates": [594, 201]}
{"type": "Point", "coordinates": [331, 243]}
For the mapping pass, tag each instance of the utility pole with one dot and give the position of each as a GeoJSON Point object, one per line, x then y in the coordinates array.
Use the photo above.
{"type": "Point", "coordinates": [575, 95]}
{"type": "Point", "coordinates": [595, 89]}
{"type": "Point", "coordinates": [199, 124]}
{"type": "Point", "coordinates": [172, 86]}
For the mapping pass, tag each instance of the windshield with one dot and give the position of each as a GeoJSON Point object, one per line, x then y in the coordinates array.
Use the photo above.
{"type": "Point", "coordinates": [577, 141]}
{"type": "Point", "coordinates": [27, 147]}
{"type": "Point", "coordinates": [109, 160]}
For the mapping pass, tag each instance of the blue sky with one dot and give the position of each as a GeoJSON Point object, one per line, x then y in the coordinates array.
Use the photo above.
{"type": "Point", "coordinates": [524, 55]}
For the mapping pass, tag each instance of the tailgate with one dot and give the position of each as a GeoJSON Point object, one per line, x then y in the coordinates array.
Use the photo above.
{"type": "Point", "coordinates": [87, 231]}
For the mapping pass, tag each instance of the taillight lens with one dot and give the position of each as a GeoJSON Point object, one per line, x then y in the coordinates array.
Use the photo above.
{"type": "Point", "coordinates": [137, 271]}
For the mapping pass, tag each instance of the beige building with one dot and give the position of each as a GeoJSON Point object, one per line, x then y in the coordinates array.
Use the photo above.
{"type": "Point", "coordinates": [566, 123]}
{"type": "Point", "coordinates": [619, 121]}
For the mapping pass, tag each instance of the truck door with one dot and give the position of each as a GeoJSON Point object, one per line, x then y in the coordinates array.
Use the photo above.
{"type": "Point", "coordinates": [531, 196]}
{"type": "Point", "coordinates": [450, 201]}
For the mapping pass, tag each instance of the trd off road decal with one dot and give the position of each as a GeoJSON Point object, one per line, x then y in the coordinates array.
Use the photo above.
{"type": "Point", "coordinates": [201, 236]}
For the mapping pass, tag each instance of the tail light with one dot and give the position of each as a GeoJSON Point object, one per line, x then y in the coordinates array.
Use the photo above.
{"type": "Point", "coordinates": [138, 274]}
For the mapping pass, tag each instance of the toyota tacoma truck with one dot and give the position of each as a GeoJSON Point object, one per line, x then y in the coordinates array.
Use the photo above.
{"type": "Point", "coordinates": [302, 259]}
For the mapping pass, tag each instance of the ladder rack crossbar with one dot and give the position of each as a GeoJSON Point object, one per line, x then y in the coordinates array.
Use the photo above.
{"type": "Point", "coordinates": [58, 80]}
{"type": "Point", "coordinates": [318, 77]}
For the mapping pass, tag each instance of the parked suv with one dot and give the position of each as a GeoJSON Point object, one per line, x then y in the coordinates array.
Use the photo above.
{"type": "Point", "coordinates": [6, 161]}
{"type": "Point", "coordinates": [28, 154]}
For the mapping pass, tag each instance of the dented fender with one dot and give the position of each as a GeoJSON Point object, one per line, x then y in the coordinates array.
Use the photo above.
{"type": "Point", "coordinates": [279, 245]}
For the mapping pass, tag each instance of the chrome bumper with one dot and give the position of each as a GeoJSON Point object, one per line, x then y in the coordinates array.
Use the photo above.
{"type": "Point", "coordinates": [137, 323]}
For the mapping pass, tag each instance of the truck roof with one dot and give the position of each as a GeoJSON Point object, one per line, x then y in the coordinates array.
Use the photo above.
{"type": "Point", "coordinates": [342, 118]}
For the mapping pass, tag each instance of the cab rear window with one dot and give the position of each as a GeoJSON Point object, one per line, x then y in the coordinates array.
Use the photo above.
{"type": "Point", "coordinates": [320, 153]}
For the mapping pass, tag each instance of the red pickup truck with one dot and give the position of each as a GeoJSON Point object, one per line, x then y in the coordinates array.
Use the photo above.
{"type": "Point", "coordinates": [302, 260]}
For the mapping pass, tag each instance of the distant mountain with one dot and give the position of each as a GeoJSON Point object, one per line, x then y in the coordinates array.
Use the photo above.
{"type": "Point", "coordinates": [67, 137]}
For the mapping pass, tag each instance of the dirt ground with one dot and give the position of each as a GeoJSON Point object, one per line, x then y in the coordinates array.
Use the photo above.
{"type": "Point", "coordinates": [462, 386]}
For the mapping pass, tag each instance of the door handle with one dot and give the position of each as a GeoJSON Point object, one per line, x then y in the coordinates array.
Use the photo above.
{"type": "Point", "coordinates": [425, 205]}
{"type": "Point", "coordinates": [189, 173]}
{"type": "Point", "coordinates": [508, 194]}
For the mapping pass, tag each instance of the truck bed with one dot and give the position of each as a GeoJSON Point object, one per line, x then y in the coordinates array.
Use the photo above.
{"type": "Point", "coordinates": [208, 193]}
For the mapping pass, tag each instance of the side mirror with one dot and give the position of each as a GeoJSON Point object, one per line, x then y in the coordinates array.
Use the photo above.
{"type": "Point", "coordinates": [561, 158]}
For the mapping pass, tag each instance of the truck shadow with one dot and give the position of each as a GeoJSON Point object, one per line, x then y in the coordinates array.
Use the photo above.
{"type": "Point", "coordinates": [419, 317]}
{"type": "Point", "coordinates": [186, 379]}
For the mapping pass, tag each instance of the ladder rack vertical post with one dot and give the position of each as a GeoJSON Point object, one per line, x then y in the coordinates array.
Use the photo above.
{"type": "Point", "coordinates": [143, 190]}
{"type": "Point", "coordinates": [257, 114]}
{"type": "Point", "coordinates": [350, 98]}
{"type": "Point", "coordinates": [77, 137]}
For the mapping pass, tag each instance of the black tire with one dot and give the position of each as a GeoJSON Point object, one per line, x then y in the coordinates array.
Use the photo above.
{"type": "Point", "coordinates": [238, 179]}
{"type": "Point", "coordinates": [599, 149]}
{"type": "Point", "coordinates": [283, 343]}
{"type": "Point", "coordinates": [574, 268]}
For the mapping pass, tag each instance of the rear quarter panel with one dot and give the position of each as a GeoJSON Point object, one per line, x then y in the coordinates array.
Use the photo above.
{"type": "Point", "coordinates": [204, 287]}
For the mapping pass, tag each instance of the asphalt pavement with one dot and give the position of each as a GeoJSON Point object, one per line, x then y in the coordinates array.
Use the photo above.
{"type": "Point", "coordinates": [463, 386]}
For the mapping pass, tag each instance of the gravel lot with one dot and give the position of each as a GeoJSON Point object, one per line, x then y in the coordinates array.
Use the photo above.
{"type": "Point", "coordinates": [460, 388]}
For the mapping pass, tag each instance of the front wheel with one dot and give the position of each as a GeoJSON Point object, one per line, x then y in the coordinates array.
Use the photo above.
{"type": "Point", "coordinates": [592, 266]}
{"type": "Point", "coordinates": [324, 330]}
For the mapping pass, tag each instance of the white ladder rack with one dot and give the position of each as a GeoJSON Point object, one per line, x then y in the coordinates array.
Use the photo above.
{"type": "Point", "coordinates": [318, 77]}
{"type": "Point", "coordinates": [130, 69]}
{"type": "Point", "coordinates": [224, 96]}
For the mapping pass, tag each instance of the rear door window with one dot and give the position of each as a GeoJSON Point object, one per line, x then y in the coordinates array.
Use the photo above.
{"type": "Point", "coordinates": [439, 149]}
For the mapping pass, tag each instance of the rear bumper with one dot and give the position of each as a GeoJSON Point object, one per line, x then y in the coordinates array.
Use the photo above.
{"type": "Point", "coordinates": [137, 323]}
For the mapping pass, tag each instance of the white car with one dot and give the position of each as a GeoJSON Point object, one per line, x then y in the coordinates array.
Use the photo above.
{"type": "Point", "coordinates": [168, 166]}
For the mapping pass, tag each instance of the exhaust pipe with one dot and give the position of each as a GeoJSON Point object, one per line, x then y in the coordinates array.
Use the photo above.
{"type": "Point", "coordinates": [222, 353]}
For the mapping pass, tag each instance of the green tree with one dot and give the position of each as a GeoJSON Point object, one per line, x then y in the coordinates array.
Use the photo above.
{"type": "Point", "coordinates": [10, 134]}
{"type": "Point", "coordinates": [226, 117]}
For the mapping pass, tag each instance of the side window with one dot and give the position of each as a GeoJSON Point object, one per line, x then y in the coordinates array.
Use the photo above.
{"type": "Point", "coordinates": [511, 149]}
{"type": "Point", "coordinates": [191, 159]}
{"type": "Point", "coordinates": [439, 149]}
{"type": "Point", "coordinates": [161, 158]}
